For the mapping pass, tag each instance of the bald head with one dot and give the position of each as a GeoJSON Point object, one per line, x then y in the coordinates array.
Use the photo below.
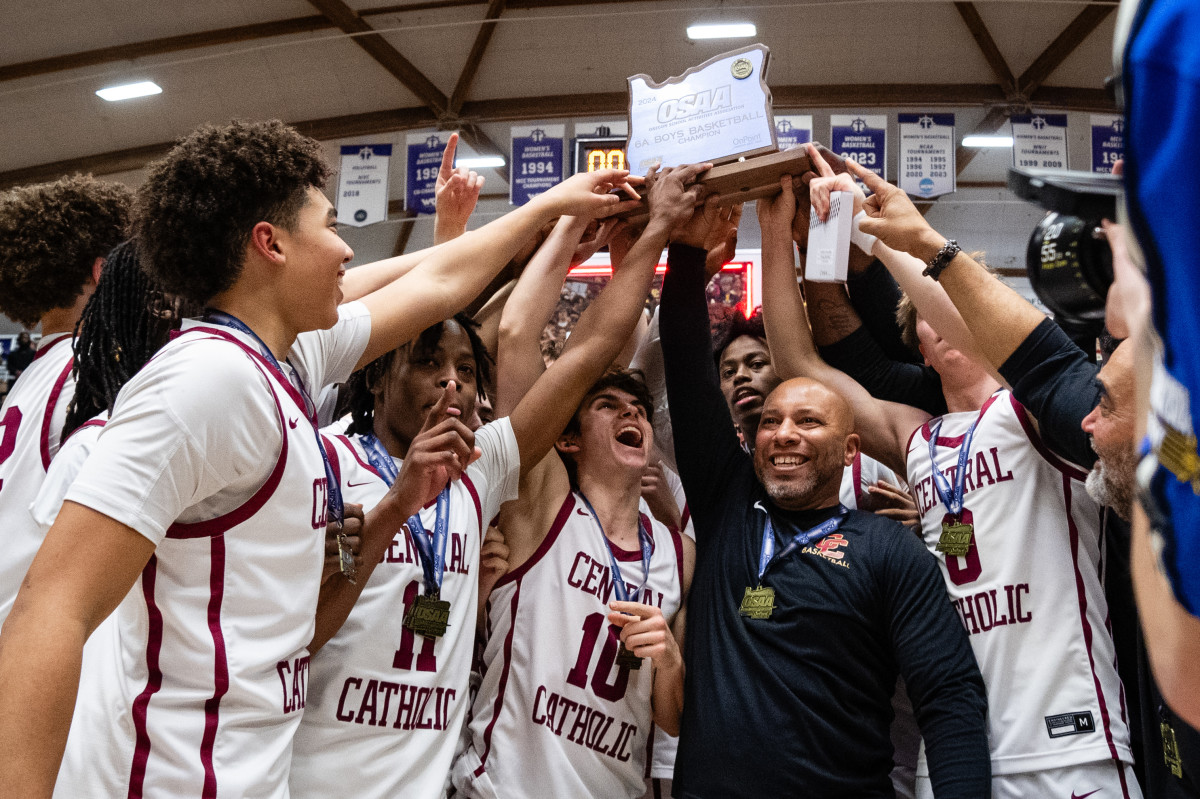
{"type": "Point", "coordinates": [815, 394]}
{"type": "Point", "coordinates": [805, 439]}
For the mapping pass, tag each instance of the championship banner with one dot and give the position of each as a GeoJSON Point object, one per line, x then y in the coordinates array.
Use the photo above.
{"type": "Point", "coordinates": [793, 131]}
{"type": "Point", "coordinates": [537, 161]}
{"type": "Point", "coordinates": [715, 112]}
{"type": "Point", "coordinates": [862, 137]}
{"type": "Point", "coordinates": [1108, 141]}
{"type": "Point", "coordinates": [1040, 140]}
{"type": "Point", "coordinates": [927, 154]}
{"type": "Point", "coordinates": [424, 163]}
{"type": "Point", "coordinates": [363, 184]}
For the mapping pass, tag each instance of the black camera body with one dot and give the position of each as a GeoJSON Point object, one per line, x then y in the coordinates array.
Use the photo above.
{"type": "Point", "coordinates": [1068, 261]}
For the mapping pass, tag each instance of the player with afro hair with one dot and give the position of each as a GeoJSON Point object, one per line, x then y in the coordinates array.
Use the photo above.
{"type": "Point", "coordinates": [52, 238]}
{"type": "Point", "coordinates": [211, 449]}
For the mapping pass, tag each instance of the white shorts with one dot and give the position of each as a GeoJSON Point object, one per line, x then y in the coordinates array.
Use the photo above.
{"type": "Point", "coordinates": [1104, 779]}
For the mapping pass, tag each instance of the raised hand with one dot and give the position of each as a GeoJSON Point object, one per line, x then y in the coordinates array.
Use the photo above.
{"type": "Point", "coordinates": [721, 242]}
{"type": "Point", "coordinates": [674, 194]}
{"type": "Point", "coordinates": [775, 214]}
{"type": "Point", "coordinates": [646, 633]}
{"type": "Point", "coordinates": [824, 182]}
{"type": "Point", "coordinates": [598, 234]}
{"type": "Point", "coordinates": [438, 454]}
{"type": "Point", "coordinates": [588, 194]}
{"type": "Point", "coordinates": [457, 192]}
{"type": "Point", "coordinates": [892, 217]}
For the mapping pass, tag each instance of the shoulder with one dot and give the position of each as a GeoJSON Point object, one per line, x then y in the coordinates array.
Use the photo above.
{"type": "Point", "coordinates": [883, 537]}
{"type": "Point", "coordinates": [197, 374]}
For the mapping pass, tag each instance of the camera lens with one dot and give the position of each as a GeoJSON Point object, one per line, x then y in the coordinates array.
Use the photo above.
{"type": "Point", "coordinates": [1070, 268]}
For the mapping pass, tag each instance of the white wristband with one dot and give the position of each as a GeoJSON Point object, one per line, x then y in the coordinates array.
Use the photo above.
{"type": "Point", "coordinates": [865, 241]}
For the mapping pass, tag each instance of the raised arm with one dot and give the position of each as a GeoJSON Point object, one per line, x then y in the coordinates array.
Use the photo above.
{"type": "Point", "coordinates": [884, 427]}
{"type": "Point", "coordinates": [607, 323]}
{"type": "Point", "coordinates": [447, 280]}
{"type": "Point", "coordinates": [519, 354]}
{"type": "Point", "coordinates": [456, 192]}
{"type": "Point", "coordinates": [997, 317]}
{"type": "Point", "coordinates": [846, 344]}
{"type": "Point", "coordinates": [926, 295]}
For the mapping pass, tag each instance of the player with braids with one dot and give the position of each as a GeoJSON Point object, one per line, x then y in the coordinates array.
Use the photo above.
{"type": "Point", "coordinates": [364, 384]}
{"type": "Point", "coordinates": [208, 491]}
{"type": "Point", "coordinates": [125, 322]}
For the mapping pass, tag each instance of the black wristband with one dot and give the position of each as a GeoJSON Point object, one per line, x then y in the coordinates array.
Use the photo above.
{"type": "Point", "coordinates": [938, 263]}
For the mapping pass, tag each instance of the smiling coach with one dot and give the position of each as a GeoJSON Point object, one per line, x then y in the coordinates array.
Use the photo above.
{"type": "Point", "coordinates": [801, 613]}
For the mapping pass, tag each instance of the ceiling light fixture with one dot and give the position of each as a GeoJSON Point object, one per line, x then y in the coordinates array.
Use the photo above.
{"type": "Point", "coordinates": [481, 162]}
{"type": "Point", "coordinates": [987, 141]}
{"type": "Point", "coordinates": [734, 30]}
{"type": "Point", "coordinates": [129, 91]}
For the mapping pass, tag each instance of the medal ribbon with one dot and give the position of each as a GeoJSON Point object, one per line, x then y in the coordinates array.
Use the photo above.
{"type": "Point", "coordinates": [619, 587]}
{"type": "Point", "coordinates": [432, 553]}
{"type": "Point", "coordinates": [767, 557]}
{"type": "Point", "coordinates": [951, 497]}
{"type": "Point", "coordinates": [333, 494]}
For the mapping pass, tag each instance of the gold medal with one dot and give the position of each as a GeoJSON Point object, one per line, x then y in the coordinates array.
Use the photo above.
{"type": "Point", "coordinates": [346, 559]}
{"type": "Point", "coordinates": [1171, 750]}
{"type": "Point", "coordinates": [758, 603]}
{"type": "Point", "coordinates": [626, 657]}
{"type": "Point", "coordinates": [428, 616]}
{"type": "Point", "coordinates": [956, 538]}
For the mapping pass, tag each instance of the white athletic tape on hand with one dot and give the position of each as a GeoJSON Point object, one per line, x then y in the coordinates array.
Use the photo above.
{"type": "Point", "coordinates": [864, 241]}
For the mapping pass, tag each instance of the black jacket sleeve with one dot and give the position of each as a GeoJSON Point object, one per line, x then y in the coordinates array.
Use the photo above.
{"type": "Point", "coordinates": [1053, 378]}
{"type": "Point", "coordinates": [706, 446]}
{"type": "Point", "coordinates": [861, 356]}
{"type": "Point", "coordinates": [939, 670]}
{"type": "Point", "coordinates": [875, 296]}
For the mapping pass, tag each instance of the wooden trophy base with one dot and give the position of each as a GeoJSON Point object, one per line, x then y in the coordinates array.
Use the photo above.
{"type": "Point", "coordinates": [750, 179]}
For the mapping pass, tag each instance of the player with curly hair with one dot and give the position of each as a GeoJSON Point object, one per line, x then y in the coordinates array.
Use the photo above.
{"type": "Point", "coordinates": [209, 488]}
{"type": "Point", "coordinates": [53, 241]}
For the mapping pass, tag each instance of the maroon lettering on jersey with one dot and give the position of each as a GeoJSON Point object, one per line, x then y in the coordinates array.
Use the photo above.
{"type": "Point", "coordinates": [320, 503]}
{"type": "Point", "coordinates": [293, 676]}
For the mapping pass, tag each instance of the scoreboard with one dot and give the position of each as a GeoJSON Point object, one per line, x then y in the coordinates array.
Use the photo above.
{"type": "Point", "coordinates": [592, 153]}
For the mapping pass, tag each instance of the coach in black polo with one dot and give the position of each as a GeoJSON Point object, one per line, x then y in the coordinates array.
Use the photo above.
{"type": "Point", "coordinates": [790, 676]}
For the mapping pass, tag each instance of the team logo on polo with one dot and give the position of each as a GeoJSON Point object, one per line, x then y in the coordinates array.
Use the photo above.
{"type": "Point", "coordinates": [830, 548]}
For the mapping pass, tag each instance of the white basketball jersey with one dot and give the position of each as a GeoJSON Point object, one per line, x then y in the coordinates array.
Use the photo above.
{"type": "Point", "coordinates": [1029, 591]}
{"type": "Point", "coordinates": [212, 643]}
{"type": "Point", "coordinates": [860, 475]}
{"type": "Point", "coordinates": [31, 421]}
{"type": "Point", "coordinates": [555, 715]}
{"type": "Point", "coordinates": [385, 706]}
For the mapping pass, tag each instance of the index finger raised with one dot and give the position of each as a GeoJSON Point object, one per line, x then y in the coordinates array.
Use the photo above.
{"type": "Point", "coordinates": [441, 408]}
{"type": "Point", "coordinates": [869, 178]}
{"type": "Point", "coordinates": [448, 155]}
{"type": "Point", "coordinates": [818, 161]}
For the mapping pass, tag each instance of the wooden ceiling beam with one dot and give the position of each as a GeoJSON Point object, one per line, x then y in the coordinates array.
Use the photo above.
{"type": "Point", "coordinates": [1063, 45]}
{"type": "Point", "coordinates": [614, 103]}
{"type": "Point", "coordinates": [346, 19]}
{"type": "Point", "coordinates": [987, 46]}
{"type": "Point", "coordinates": [169, 44]}
{"type": "Point", "coordinates": [471, 67]}
{"type": "Point", "coordinates": [239, 33]}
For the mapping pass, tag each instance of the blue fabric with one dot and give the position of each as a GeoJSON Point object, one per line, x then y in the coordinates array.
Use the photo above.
{"type": "Point", "coordinates": [1162, 95]}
